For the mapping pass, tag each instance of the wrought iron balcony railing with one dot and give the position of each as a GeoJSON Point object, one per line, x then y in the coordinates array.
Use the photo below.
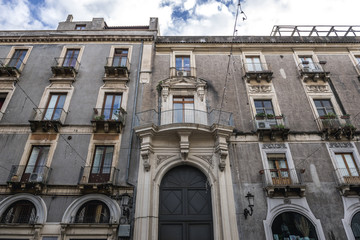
{"type": "Point", "coordinates": [29, 174]}
{"type": "Point", "coordinates": [117, 67]}
{"type": "Point", "coordinates": [257, 71]}
{"type": "Point", "coordinates": [182, 72]}
{"type": "Point", "coordinates": [267, 122]}
{"type": "Point", "coordinates": [47, 118]}
{"type": "Point", "coordinates": [108, 118]}
{"type": "Point", "coordinates": [310, 67]}
{"type": "Point", "coordinates": [281, 177]}
{"type": "Point", "coordinates": [98, 175]}
{"type": "Point", "coordinates": [10, 67]}
{"type": "Point", "coordinates": [65, 67]}
{"type": "Point", "coordinates": [184, 116]}
{"type": "Point", "coordinates": [336, 125]}
{"type": "Point", "coordinates": [347, 176]}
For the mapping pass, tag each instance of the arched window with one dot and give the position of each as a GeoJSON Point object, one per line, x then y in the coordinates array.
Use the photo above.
{"type": "Point", "coordinates": [355, 226]}
{"type": "Point", "coordinates": [22, 211]}
{"type": "Point", "coordinates": [291, 225]}
{"type": "Point", "coordinates": [93, 212]}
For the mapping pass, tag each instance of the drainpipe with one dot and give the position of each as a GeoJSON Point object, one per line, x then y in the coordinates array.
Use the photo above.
{"type": "Point", "coordinates": [131, 138]}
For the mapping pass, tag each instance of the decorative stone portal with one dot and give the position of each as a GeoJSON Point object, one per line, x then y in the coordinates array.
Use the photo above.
{"type": "Point", "coordinates": [185, 210]}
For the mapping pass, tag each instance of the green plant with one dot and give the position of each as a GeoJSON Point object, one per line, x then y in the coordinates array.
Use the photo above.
{"type": "Point", "coordinates": [260, 115]}
{"type": "Point", "coordinates": [279, 126]}
{"type": "Point", "coordinates": [99, 118]}
{"type": "Point", "coordinates": [159, 86]}
{"type": "Point", "coordinates": [349, 126]}
{"type": "Point", "coordinates": [329, 116]}
{"type": "Point", "coordinates": [270, 116]}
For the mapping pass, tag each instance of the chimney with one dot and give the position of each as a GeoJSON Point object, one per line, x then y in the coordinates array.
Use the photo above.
{"type": "Point", "coordinates": [69, 18]}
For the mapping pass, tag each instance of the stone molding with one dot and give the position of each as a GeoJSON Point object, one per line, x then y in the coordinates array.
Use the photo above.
{"type": "Point", "coordinates": [260, 89]}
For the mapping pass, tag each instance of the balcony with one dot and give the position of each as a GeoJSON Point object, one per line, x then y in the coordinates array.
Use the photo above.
{"type": "Point", "coordinates": [30, 177]}
{"type": "Point", "coordinates": [182, 72]}
{"type": "Point", "coordinates": [271, 126]}
{"type": "Point", "coordinates": [10, 69]}
{"type": "Point", "coordinates": [96, 179]}
{"type": "Point", "coordinates": [283, 182]}
{"type": "Point", "coordinates": [184, 116]}
{"type": "Point", "coordinates": [114, 68]}
{"type": "Point", "coordinates": [258, 72]}
{"type": "Point", "coordinates": [108, 120]}
{"type": "Point", "coordinates": [348, 181]}
{"type": "Point", "coordinates": [64, 68]}
{"type": "Point", "coordinates": [336, 126]}
{"type": "Point", "coordinates": [313, 71]}
{"type": "Point", "coordinates": [47, 119]}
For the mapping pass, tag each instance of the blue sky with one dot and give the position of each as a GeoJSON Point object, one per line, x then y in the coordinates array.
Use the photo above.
{"type": "Point", "coordinates": [181, 17]}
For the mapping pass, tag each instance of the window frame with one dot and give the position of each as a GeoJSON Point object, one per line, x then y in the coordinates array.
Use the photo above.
{"type": "Point", "coordinates": [19, 205]}
{"type": "Point", "coordinates": [182, 53]}
{"type": "Point", "coordinates": [113, 48]}
{"type": "Point", "coordinates": [25, 175]}
{"type": "Point", "coordinates": [12, 52]}
{"type": "Point", "coordinates": [9, 92]}
{"type": "Point", "coordinates": [355, 58]}
{"type": "Point", "coordinates": [120, 55]}
{"type": "Point", "coordinates": [324, 108]}
{"type": "Point", "coordinates": [263, 106]}
{"type": "Point", "coordinates": [111, 114]}
{"type": "Point", "coordinates": [285, 149]}
{"type": "Point", "coordinates": [92, 175]}
{"type": "Point", "coordinates": [254, 54]}
{"type": "Point", "coordinates": [64, 52]}
{"type": "Point", "coordinates": [309, 54]}
{"type": "Point", "coordinates": [80, 27]}
{"type": "Point", "coordinates": [85, 207]}
{"type": "Point", "coordinates": [59, 94]}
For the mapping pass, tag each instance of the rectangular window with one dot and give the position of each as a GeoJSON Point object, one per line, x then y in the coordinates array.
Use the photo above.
{"type": "Point", "coordinates": [120, 58]}
{"type": "Point", "coordinates": [2, 99]}
{"type": "Point", "coordinates": [346, 164]}
{"type": "Point", "coordinates": [357, 59]}
{"type": "Point", "coordinates": [71, 56]}
{"type": "Point", "coordinates": [18, 58]}
{"type": "Point", "coordinates": [36, 164]}
{"type": "Point", "coordinates": [55, 106]}
{"type": "Point", "coordinates": [80, 27]}
{"type": "Point", "coordinates": [112, 104]}
{"type": "Point", "coordinates": [278, 168]}
{"type": "Point", "coordinates": [101, 166]}
{"type": "Point", "coordinates": [253, 64]}
{"type": "Point", "coordinates": [308, 64]}
{"type": "Point", "coordinates": [183, 65]}
{"type": "Point", "coordinates": [264, 106]}
{"type": "Point", "coordinates": [183, 109]}
{"type": "Point", "coordinates": [324, 107]}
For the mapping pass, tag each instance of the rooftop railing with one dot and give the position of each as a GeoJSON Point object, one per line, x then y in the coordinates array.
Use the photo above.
{"type": "Point", "coordinates": [184, 116]}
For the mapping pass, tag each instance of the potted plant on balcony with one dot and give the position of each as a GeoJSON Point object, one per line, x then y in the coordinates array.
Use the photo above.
{"type": "Point", "coordinates": [99, 118]}
{"type": "Point", "coordinates": [278, 127]}
{"type": "Point", "coordinates": [345, 116]}
{"type": "Point", "coordinates": [328, 116]}
{"type": "Point", "coordinates": [260, 116]}
{"type": "Point", "coordinates": [279, 116]}
{"type": "Point", "coordinates": [270, 116]}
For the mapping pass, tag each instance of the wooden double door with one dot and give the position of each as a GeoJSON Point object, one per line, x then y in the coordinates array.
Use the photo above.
{"type": "Point", "coordinates": [185, 211]}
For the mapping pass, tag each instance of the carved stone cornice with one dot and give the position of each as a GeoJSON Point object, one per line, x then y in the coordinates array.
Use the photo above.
{"type": "Point", "coordinates": [317, 88]}
{"type": "Point", "coordinates": [274, 146]}
{"type": "Point", "coordinates": [340, 145]}
{"type": "Point", "coordinates": [56, 37]}
{"type": "Point", "coordinates": [179, 83]}
{"type": "Point", "coordinates": [162, 158]}
{"type": "Point", "coordinates": [260, 88]}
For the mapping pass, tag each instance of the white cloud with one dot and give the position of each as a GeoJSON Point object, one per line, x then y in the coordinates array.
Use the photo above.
{"type": "Point", "coordinates": [208, 18]}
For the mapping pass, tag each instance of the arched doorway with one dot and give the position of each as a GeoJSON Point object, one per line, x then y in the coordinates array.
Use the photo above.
{"type": "Point", "coordinates": [185, 211]}
{"type": "Point", "coordinates": [355, 225]}
{"type": "Point", "coordinates": [292, 225]}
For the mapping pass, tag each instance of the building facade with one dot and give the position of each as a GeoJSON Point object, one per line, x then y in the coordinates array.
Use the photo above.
{"type": "Point", "coordinates": [120, 133]}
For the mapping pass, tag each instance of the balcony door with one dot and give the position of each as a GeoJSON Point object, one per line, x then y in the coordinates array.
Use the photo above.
{"type": "Point", "coordinates": [112, 106]}
{"type": "Point", "coordinates": [183, 65]}
{"type": "Point", "coordinates": [185, 211]}
{"type": "Point", "coordinates": [101, 166]}
{"type": "Point", "coordinates": [71, 57]}
{"type": "Point", "coordinates": [183, 110]}
{"type": "Point", "coordinates": [35, 167]}
{"type": "Point", "coordinates": [347, 167]}
{"type": "Point", "coordinates": [55, 106]}
{"type": "Point", "coordinates": [120, 58]}
{"type": "Point", "coordinates": [18, 58]}
{"type": "Point", "coordinates": [279, 169]}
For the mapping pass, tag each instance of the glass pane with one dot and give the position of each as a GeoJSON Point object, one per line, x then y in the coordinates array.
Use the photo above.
{"type": "Point", "coordinates": [97, 160]}
{"type": "Point", "coordinates": [189, 112]}
{"type": "Point", "coordinates": [272, 165]}
{"type": "Point", "coordinates": [116, 107]}
{"type": "Point", "coordinates": [51, 106]}
{"type": "Point", "coordinates": [186, 63]}
{"type": "Point", "coordinates": [116, 61]}
{"type": "Point", "coordinates": [258, 104]}
{"type": "Point", "coordinates": [327, 103]}
{"type": "Point", "coordinates": [123, 62]}
{"type": "Point", "coordinates": [32, 160]}
{"type": "Point", "coordinates": [178, 63]}
{"type": "Point", "coordinates": [59, 107]}
{"type": "Point", "coordinates": [108, 106]}
{"type": "Point", "coordinates": [321, 112]}
{"type": "Point", "coordinates": [268, 104]}
{"type": "Point", "coordinates": [178, 112]}
{"type": "Point", "coordinates": [108, 160]}
{"type": "Point", "coordinates": [355, 225]}
{"type": "Point", "coordinates": [317, 103]}
{"type": "Point", "coordinates": [282, 163]}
